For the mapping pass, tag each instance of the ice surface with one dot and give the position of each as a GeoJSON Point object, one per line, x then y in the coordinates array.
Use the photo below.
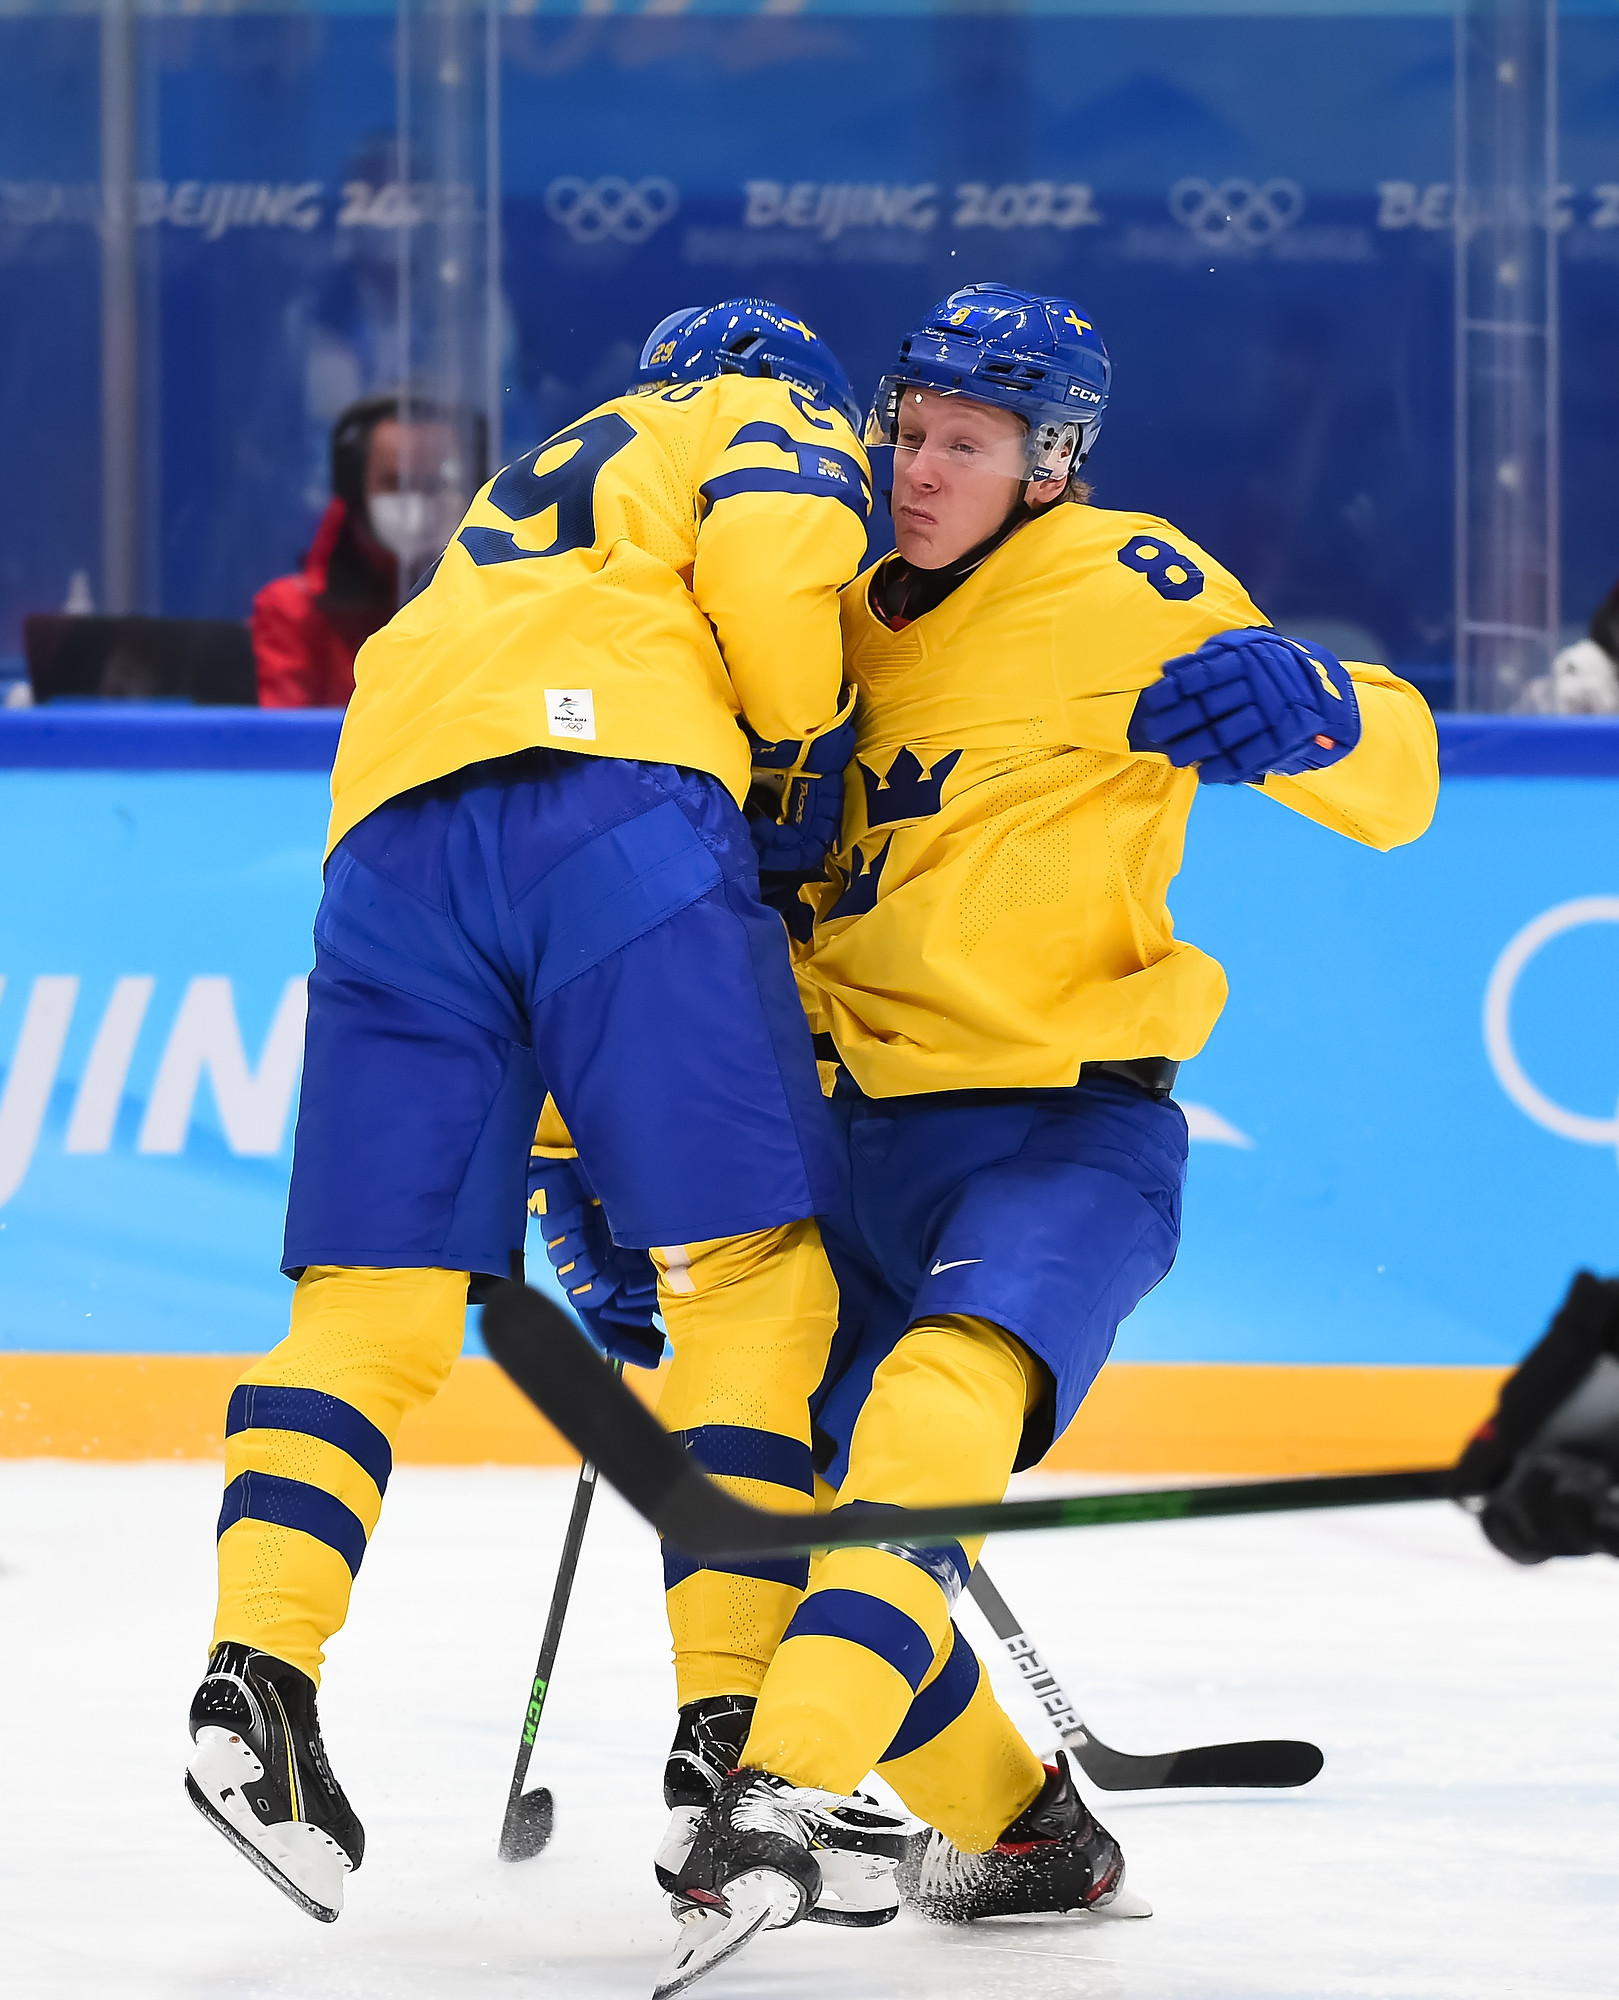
{"type": "Point", "coordinates": [1463, 1840]}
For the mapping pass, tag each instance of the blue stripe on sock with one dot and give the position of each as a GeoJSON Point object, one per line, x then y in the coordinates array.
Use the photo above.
{"type": "Point", "coordinates": [738, 1452]}
{"type": "Point", "coordinates": [865, 1621]}
{"type": "Point", "coordinates": [945, 1562]}
{"type": "Point", "coordinates": [791, 1570]}
{"type": "Point", "coordinates": [289, 1503]}
{"type": "Point", "coordinates": [312, 1413]}
{"type": "Point", "coordinates": [939, 1704]}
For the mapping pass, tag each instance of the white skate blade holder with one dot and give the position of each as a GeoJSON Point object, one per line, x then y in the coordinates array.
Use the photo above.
{"type": "Point", "coordinates": [857, 1889]}
{"type": "Point", "coordinates": [303, 1862]}
{"type": "Point", "coordinates": [1127, 1903]}
{"type": "Point", "coordinates": [760, 1900]}
{"type": "Point", "coordinates": [676, 1843]}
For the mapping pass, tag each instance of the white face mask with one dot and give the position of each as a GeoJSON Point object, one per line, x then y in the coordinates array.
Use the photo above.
{"type": "Point", "coordinates": [413, 525]}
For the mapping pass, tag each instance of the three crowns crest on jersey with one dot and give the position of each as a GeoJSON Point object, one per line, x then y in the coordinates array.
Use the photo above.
{"type": "Point", "coordinates": [905, 793]}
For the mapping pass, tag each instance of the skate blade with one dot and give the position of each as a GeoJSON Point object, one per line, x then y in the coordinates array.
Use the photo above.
{"type": "Point", "coordinates": [854, 1920]}
{"type": "Point", "coordinates": [757, 1901]}
{"type": "Point", "coordinates": [303, 1862]}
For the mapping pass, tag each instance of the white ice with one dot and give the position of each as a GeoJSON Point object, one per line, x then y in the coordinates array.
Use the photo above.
{"type": "Point", "coordinates": [1462, 1842]}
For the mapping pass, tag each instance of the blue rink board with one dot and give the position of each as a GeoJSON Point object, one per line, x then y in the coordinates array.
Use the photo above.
{"type": "Point", "coordinates": [1393, 1204]}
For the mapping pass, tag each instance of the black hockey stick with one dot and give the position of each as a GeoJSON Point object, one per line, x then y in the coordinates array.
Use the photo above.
{"type": "Point", "coordinates": [559, 1371]}
{"type": "Point", "coordinates": [1279, 1762]}
{"type": "Point", "coordinates": [530, 1816]}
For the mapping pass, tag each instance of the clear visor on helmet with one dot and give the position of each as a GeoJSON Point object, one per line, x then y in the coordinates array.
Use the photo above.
{"type": "Point", "coordinates": [951, 429]}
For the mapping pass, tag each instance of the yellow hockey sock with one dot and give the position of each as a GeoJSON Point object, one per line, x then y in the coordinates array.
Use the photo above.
{"type": "Point", "coordinates": [750, 1319]}
{"type": "Point", "coordinates": [308, 1449]}
{"type": "Point", "coordinates": [942, 1423]}
{"type": "Point", "coordinates": [958, 1760]}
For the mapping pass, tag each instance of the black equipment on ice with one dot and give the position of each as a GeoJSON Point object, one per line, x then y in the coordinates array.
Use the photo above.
{"type": "Point", "coordinates": [1547, 1460]}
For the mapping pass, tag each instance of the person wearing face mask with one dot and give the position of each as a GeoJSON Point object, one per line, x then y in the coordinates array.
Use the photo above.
{"type": "Point", "coordinates": [398, 490]}
{"type": "Point", "coordinates": [1001, 1003]}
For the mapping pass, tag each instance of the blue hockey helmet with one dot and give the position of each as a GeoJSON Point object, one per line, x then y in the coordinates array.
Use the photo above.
{"type": "Point", "coordinates": [746, 337]}
{"type": "Point", "coordinates": [1025, 352]}
{"type": "Point", "coordinates": [659, 348]}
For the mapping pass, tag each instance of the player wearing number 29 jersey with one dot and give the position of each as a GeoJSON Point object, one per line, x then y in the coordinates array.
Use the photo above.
{"type": "Point", "coordinates": [540, 881]}
{"type": "Point", "coordinates": [636, 586]}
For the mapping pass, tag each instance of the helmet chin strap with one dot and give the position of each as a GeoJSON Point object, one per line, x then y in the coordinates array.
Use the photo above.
{"type": "Point", "coordinates": [1023, 509]}
{"type": "Point", "coordinates": [1020, 511]}
{"type": "Point", "coordinates": [1016, 515]}
{"type": "Point", "coordinates": [902, 591]}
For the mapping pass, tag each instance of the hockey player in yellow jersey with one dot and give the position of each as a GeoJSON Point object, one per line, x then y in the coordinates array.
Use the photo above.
{"type": "Point", "coordinates": [539, 882]}
{"type": "Point", "coordinates": [1002, 1003]}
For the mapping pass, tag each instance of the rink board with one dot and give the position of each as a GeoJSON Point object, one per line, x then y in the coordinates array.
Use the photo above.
{"type": "Point", "coordinates": [1404, 1126]}
{"type": "Point", "coordinates": [1142, 1417]}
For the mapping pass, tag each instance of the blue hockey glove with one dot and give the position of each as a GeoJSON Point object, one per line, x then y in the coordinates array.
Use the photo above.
{"type": "Point", "coordinates": [613, 1290]}
{"type": "Point", "coordinates": [1247, 704]}
{"type": "Point", "coordinates": [795, 809]}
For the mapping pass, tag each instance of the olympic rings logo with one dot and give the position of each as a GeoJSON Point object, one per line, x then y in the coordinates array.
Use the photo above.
{"type": "Point", "coordinates": [1498, 1021]}
{"type": "Point", "coordinates": [1236, 211]}
{"type": "Point", "coordinates": [611, 208]}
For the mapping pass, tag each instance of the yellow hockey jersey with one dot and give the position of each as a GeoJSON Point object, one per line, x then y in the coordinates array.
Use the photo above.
{"type": "Point", "coordinates": [996, 913]}
{"type": "Point", "coordinates": [631, 588]}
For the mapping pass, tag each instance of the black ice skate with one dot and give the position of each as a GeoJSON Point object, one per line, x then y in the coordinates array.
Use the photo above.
{"type": "Point", "coordinates": [1053, 1859]}
{"type": "Point", "coordinates": [755, 1865]}
{"type": "Point", "coordinates": [709, 1740]}
{"type": "Point", "coordinates": [856, 1843]}
{"type": "Point", "coordinates": [259, 1773]}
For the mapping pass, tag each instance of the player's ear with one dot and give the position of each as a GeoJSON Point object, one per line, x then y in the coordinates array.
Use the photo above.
{"type": "Point", "coordinates": [1043, 492]}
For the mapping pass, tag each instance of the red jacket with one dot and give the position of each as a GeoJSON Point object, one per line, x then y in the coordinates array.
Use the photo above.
{"type": "Point", "coordinates": [305, 649]}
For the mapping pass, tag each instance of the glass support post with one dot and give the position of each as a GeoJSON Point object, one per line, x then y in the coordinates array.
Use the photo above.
{"type": "Point", "coordinates": [1508, 211]}
{"type": "Point", "coordinates": [445, 344]}
{"type": "Point", "coordinates": [120, 404]}
{"type": "Point", "coordinates": [494, 317]}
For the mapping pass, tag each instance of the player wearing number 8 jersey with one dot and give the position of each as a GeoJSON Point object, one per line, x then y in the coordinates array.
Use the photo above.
{"type": "Point", "coordinates": [539, 880]}
{"type": "Point", "coordinates": [1000, 911]}
{"type": "Point", "coordinates": [1003, 1002]}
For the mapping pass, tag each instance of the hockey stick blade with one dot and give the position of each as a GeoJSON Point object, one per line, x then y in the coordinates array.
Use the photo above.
{"type": "Point", "coordinates": [1260, 1766]}
{"type": "Point", "coordinates": [557, 1369]}
{"type": "Point", "coordinates": [529, 1823]}
{"type": "Point", "coordinates": [1243, 1766]}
